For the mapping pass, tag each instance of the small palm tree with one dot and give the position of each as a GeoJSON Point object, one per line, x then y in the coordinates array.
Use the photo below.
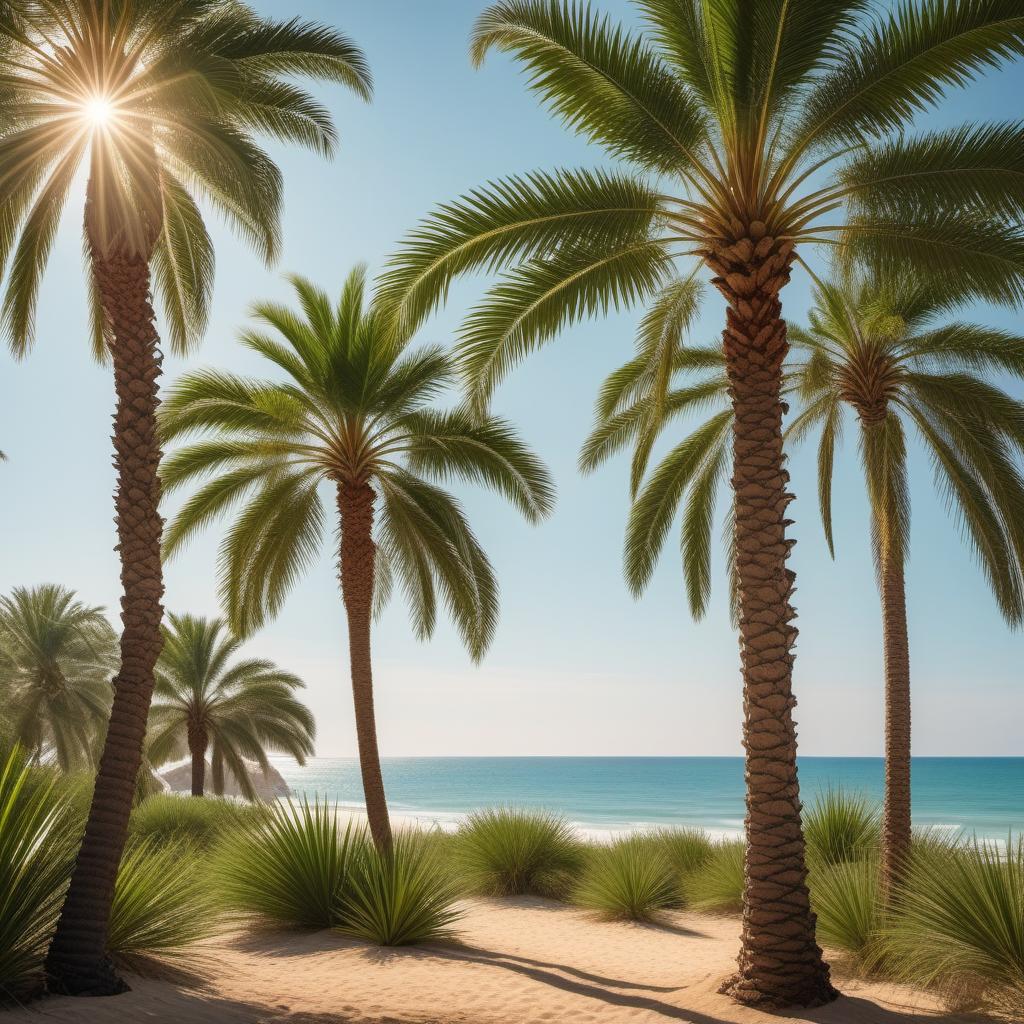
{"type": "Point", "coordinates": [204, 702]}
{"type": "Point", "coordinates": [353, 414]}
{"type": "Point", "coordinates": [886, 352]}
{"type": "Point", "coordinates": [161, 100]}
{"type": "Point", "coordinates": [760, 129]}
{"type": "Point", "coordinates": [57, 659]}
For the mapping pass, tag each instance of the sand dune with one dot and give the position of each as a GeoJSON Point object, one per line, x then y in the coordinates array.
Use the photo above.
{"type": "Point", "coordinates": [517, 962]}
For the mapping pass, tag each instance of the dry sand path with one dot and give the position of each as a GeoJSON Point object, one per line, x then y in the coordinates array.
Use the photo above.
{"type": "Point", "coordinates": [519, 961]}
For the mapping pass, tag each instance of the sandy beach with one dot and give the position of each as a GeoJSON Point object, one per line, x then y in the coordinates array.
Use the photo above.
{"type": "Point", "coordinates": [516, 961]}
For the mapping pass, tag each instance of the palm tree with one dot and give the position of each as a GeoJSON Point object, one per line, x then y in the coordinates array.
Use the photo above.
{"type": "Point", "coordinates": [353, 414]}
{"type": "Point", "coordinates": [752, 128]}
{"type": "Point", "coordinates": [57, 658]}
{"type": "Point", "coordinates": [885, 352]}
{"type": "Point", "coordinates": [203, 701]}
{"type": "Point", "coordinates": [161, 99]}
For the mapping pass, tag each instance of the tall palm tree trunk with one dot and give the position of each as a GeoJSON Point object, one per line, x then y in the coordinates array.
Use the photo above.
{"type": "Point", "coordinates": [358, 555]}
{"type": "Point", "coordinates": [76, 962]}
{"type": "Point", "coordinates": [780, 963]}
{"type": "Point", "coordinates": [197, 742]}
{"type": "Point", "coordinates": [896, 829]}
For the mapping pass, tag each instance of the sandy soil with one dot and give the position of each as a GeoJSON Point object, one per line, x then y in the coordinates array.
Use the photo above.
{"type": "Point", "coordinates": [517, 962]}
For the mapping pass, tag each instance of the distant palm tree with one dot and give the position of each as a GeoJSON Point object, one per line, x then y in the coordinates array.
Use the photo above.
{"type": "Point", "coordinates": [354, 414]}
{"type": "Point", "coordinates": [236, 710]}
{"type": "Point", "coordinates": [57, 658]}
{"type": "Point", "coordinates": [161, 99]}
{"type": "Point", "coordinates": [759, 128]}
{"type": "Point", "coordinates": [886, 351]}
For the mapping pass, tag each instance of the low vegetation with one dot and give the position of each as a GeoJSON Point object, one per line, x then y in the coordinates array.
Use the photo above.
{"type": "Point", "coordinates": [717, 886]}
{"type": "Point", "coordinates": [841, 827]}
{"type": "Point", "coordinates": [513, 852]}
{"type": "Point", "coordinates": [167, 818]}
{"type": "Point", "coordinates": [631, 878]}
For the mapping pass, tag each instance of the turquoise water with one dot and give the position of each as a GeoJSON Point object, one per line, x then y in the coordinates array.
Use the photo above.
{"type": "Point", "coordinates": [984, 795]}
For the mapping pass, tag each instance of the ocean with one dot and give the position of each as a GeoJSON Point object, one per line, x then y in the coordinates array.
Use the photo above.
{"type": "Point", "coordinates": [601, 795]}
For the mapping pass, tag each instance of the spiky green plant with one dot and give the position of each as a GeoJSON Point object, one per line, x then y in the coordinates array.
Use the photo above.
{"type": "Point", "coordinates": [57, 659]}
{"type": "Point", "coordinates": [510, 851]}
{"type": "Point", "coordinates": [354, 413]}
{"type": "Point", "coordinates": [37, 850]}
{"type": "Point", "coordinates": [687, 849]}
{"type": "Point", "coordinates": [161, 103]}
{"type": "Point", "coordinates": [171, 818]}
{"type": "Point", "coordinates": [291, 868]}
{"type": "Point", "coordinates": [841, 827]}
{"type": "Point", "coordinates": [235, 709]}
{"type": "Point", "coordinates": [163, 903]}
{"type": "Point", "coordinates": [631, 878]}
{"type": "Point", "coordinates": [958, 923]}
{"type": "Point", "coordinates": [401, 896]}
{"type": "Point", "coordinates": [845, 895]}
{"type": "Point", "coordinates": [717, 886]}
{"type": "Point", "coordinates": [752, 131]}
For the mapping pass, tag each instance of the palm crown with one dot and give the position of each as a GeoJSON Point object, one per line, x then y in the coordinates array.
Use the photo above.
{"type": "Point", "coordinates": [237, 708]}
{"type": "Point", "coordinates": [163, 99]}
{"type": "Point", "coordinates": [57, 658]}
{"type": "Point", "coordinates": [353, 411]}
{"type": "Point", "coordinates": [760, 126]}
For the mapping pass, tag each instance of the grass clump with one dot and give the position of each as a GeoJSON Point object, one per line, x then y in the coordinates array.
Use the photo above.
{"type": "Point", "coordinates": [512, 852]}
{"type": "Point", "coordinates": [291, 867]}
{"type": "Point", "coordinates": [687, 849]}
{"type": "Point", "coordinates": [845, 897]}
{"type": "Point", "coordinates": [718, 885]}
{"type": "Point", "coordinates": [841, 827]}
{"type": "Point", "coordinates": [163, 903]}
{"type": "Point", "coordinates": [959, 924]}
{"type": "Point", "coordinates": [200, 821]}
{"type": "Point", "coordinates": [400, 897]}
{"type": "Point", "coordinates": [631, 879]}
{"type": "Point", "coordinates": [37, 850]}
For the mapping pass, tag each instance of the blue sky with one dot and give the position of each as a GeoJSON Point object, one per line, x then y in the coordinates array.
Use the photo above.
{"type": "Point", "coordinates": [578, 667]}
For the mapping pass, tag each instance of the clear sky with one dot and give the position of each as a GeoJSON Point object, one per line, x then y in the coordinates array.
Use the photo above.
{"type": "Point", "coordinates": [578, 667]}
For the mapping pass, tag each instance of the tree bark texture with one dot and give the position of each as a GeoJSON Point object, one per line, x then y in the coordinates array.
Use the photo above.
{"type": "Point", "coordinates": [77, 962]}
{"type": "Point", "coordinates": [780, 963]}
{"type": "Point", "coordinates": [358, 555]}
{"type": "Point", "coordinates": [197, 743]}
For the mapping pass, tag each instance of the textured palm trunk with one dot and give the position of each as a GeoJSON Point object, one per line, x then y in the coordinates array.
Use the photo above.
{"type": "Point", "coordinates": [77, 962]}
{"type": "Point", "coordinates": [358, 554]}
{"type": "Point", "coordinates": [197, 743]}
{"type": "Point", "coordinates": [896, 835]}
{"type": "Point", "coordinates": [780, 963]}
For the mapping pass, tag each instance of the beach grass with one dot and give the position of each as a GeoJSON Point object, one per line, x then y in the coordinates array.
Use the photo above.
{"type": "Point", "coordinates": [509, 851]}
{"type": "Point", "coordinates": [400, 897]}
{"type": "Point", "coordinates": [717, 886]}
{"type": "Point", "coordinates": [291, 867]}
{"type": "Point", "coordinates": [167, 817]}
{"type": "Point", "coordinates": [845, 897]}
{"type": "Point", "coordinates": [840, 827]}
{"type": "Point", "coordinates": [629, 879]}
{"type": "Point", "coordinates": [163, 903]}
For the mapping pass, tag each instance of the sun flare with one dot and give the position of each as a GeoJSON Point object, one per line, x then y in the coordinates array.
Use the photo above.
{"type": "Point", "coordinates": [98, 111]}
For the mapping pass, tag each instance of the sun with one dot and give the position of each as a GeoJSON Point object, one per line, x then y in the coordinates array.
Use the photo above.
{"type": "Point", "coordinates": [98, 111]}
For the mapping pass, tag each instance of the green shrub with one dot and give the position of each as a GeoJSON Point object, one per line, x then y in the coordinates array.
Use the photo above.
{"type": "Point", "coordinates": [959, 922]}
{"type": "Point", "coordinates": [37, 847]}
{"type": "Point", "coordinates": [631, 879]}
{"type": "Point", "coordinates": [845, 896]}
{"type": "Point", "coordinates": [400, 897]}
{"type": "Point", "coordinates": [718, 885]}
{"type": "Point", "coordinates": [201, 821]}
{"type": "Point", "coordinates": [163, 902]}
{"type": "Point", "coordinates": [291, 867]}
{"type": "Point", "coordinates": [840, 827]}
{"type": "Point", "coordinates": [510, 852]}
{"type": "Point", "coordinates": [687, 849]}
